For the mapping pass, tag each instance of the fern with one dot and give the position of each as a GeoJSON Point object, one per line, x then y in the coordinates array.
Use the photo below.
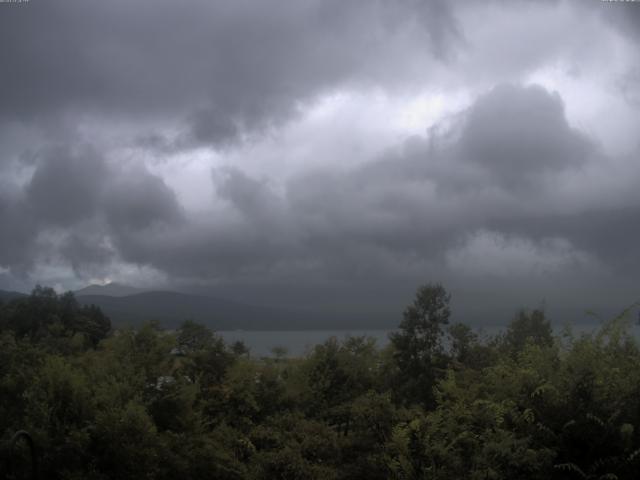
{"type": "Point", "coordinates": [570, 467]}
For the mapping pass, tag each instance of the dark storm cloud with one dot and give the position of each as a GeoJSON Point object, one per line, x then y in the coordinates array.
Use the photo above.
{"type": "Point", "coordinates": [496, 167]}
{"type": "Point", "coordinates": [72, 185]}
{"type": "Point", "coordinates": [609, 233]}
{"type": "Point", "coordinates": [231, 74]}
{"type": "Point", "coordinates": [517, 134]}
{"type": "Point", "coordinates": [211, 126]}
{"type": "Point", "coordinates": [85, 250]}
{"type": "Point", "coordinates": [66, 186]}
{"type": "Point", "coordinates": [18, 231]}
{"type": "Point", "coordinates": [624, 15]}
{"type": "Point", "coordinates": [224, 68]}
{"type": "Point", "coordinates": [252, 235]}
{"type": "Point", "coordinates": [138, 200]}
{"type": "Point", "coordinates": [504, 149]}
{"type": "Point", "coordinates": [74, 200]}
{"type": "Point", "coordinates": [214, 73]}
{"type": "Point", "coordinates": [625, 18]}
{"type": "Point", "coordinates": [252, 197]}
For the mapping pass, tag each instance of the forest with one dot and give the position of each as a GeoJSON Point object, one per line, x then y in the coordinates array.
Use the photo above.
{"type": "Point", "coordinates": [440, 401]}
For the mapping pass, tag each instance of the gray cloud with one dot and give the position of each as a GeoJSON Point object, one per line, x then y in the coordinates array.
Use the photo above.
{"type": "Point", "coordinates": [18, 233]}
{"type": "Point", "coordinates": [225, 68]}
{"type": "Point", "coordinates": [66, 186]}
{"type": "Point", "coordinates": [516, 135]}
{"type": "Point", "coordinates": [624, 15]}
{"type": "Point", "coordinates": [411, 206]}
{"type": "Point", "coordinates": [87, 252]}
{"type": "Point", "coordinates": [137, 200]}
{"type": "Point", "coordinates": [253, 198]}
{"type": "Point", "coordinates": [511, 138]}
{"type": "Point", "coordinates": [625, 18]}
{"type": "Point", "coordinates": [494, 167]}
{"type": "Point", "coordinates": [409, 214]}
{"type": "Point", "coordinates": [103, 103]}
{"type": "Point", "coordinates": [74, 202]}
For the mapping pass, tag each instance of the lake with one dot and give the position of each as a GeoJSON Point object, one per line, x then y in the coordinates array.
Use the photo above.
{"type": "Point", "coordinates": [299, 342]}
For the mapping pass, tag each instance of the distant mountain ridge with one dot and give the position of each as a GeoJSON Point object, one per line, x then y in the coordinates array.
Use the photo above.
{"type": "Point", "coordinates": [172, 308]}
{"type": "Point", "coordinates": [7, 296]}
{"type": "Point", "coordinates": [112, 289]}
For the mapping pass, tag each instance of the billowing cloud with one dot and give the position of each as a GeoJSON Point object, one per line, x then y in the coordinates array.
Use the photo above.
{"type": "Point", "coordinates": [336, 152]}
{"type": "Point", "coordinates": [77, 205]}
{"type": "Point", "coordinates": [419, 202]}
{"type": "Point", "coordinates": [223, 69]}
{"type": "Point", "coordinates": [66, 186]}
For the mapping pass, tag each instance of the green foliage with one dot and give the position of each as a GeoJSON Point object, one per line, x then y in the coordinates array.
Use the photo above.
{"type": "Point", "coordinates": [193, 336]}
{"type": "Point", "coordinates": [532, 327]}
{"type": "Point", "coordinates": [291, 447]}
{"type": "Point", "coordinates": [55, 320]}
{"type": "Point", "coordinates": [418, 345]}
{"type": "Point", "coordinates": [155, 404]}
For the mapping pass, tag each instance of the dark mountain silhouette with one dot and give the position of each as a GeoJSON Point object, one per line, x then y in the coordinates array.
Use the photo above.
{"type": "Point", "coordinates": [6, 295]}
{"type": "Point", "coordinates": [171, 308]}
{"type": "Point", "coordinates": [112, 289]}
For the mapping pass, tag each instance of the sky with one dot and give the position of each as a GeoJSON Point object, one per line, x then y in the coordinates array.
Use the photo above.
{"type": "Point", "coordinates": [329, 154]}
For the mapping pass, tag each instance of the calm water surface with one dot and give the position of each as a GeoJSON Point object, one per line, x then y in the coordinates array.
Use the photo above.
{"type": "Point", "coordinates": [299, 342]}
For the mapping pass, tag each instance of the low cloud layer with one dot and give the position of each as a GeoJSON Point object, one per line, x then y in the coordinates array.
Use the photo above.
{"type": "Point", "coordinates": [207, 148]}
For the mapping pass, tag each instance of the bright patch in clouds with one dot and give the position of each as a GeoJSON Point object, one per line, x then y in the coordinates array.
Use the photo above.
{"type": "Point", "coordinates": [495, 254]}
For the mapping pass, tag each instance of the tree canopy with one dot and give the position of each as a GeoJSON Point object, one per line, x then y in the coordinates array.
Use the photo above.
{"type": "Point", "coordinates": [436, 402]}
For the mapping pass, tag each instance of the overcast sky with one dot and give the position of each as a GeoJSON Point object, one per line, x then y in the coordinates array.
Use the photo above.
{"type": "Point", "coordinates": [333, 153]}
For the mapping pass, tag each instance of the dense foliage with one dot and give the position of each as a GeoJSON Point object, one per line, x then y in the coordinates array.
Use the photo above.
{"type": "Point", "coordinates": [440, 402]}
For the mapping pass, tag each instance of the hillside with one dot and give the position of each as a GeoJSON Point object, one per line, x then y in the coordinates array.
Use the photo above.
{"type": "Point", "coordinates": [112, 289]}
{"type": "Point", "coordinates": [171, 308]}
{"type": "Point", "coordinates": [6, 295]}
